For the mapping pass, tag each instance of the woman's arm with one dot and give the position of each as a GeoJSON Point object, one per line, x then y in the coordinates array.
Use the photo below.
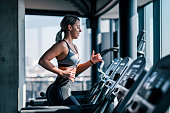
{"type": "Point", "coordinates": [83, 67]}
{"type": "Point", "coordinates": [94, 59]}
{"type": "Point", "coordinates": [55, 51]}
{"type": "Point", "coordinates": [45, 63]}
{"type": "Point", "coordinates": [51, 53]}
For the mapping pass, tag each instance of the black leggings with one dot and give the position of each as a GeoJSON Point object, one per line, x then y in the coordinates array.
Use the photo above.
{"type": "Point", "coordinates": [55, 96]}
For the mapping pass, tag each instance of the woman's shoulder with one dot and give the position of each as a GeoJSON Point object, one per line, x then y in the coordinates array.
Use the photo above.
{"type": "Point", "coordinates": [60, 44]}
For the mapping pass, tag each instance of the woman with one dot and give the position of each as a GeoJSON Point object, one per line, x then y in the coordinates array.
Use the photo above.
{"type": "Point", "coordinates": [59, 92]}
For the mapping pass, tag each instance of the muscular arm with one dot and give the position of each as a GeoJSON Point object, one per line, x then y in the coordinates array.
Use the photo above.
{"type": "Point", "coordinates": [53, 52]}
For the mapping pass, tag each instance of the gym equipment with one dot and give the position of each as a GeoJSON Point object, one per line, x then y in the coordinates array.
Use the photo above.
{"type": "Point", "coordinates": [86, 99]}
{"type": "Point", "coordinates": [131, 77]}
{"type": "Point", "coordinates": [83, 96]}
{"type": "Point", "coordinates": [88, 108]}
{"type": "Point", "coordinates": [105, 85]}
{"type": "Point", "coordinates": [141, 43]}
{"type": "Point", "coordinates": [153, 92]}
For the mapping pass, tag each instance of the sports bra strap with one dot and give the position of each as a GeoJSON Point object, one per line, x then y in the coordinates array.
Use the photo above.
{"type": "Point", "coordinates": [67, 44]}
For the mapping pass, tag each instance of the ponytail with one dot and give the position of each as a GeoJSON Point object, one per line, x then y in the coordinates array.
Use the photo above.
{"type": "Point", "coordinates": [59, 36]}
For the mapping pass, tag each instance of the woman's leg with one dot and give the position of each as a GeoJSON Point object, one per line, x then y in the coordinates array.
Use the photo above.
{"type": "Point", "coordinates": [71, 101]}
{"type": "Point", "coordinates": [54, 95]}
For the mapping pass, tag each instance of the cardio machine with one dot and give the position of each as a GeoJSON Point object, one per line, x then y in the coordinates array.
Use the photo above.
{"type": "Point", "coordinates": [153, 92]}
{"type": "Point", "coordinates": [91, 107]}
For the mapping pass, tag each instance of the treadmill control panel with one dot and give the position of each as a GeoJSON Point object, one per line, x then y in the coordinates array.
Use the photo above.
{"type": "Point", "coordinates": [118, 72]}
{"type": "Point", "coordinates": [111, 69]}
{"type": "Point", "coordinates": [121, 68]}
{"type": "Point", "coordinates": [129, 78]}
{"type": "Point", "coordinates": [153, 93]}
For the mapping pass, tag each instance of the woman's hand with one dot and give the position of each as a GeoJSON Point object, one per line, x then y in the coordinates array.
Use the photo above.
{"type": "Point", "coordinates": [96, 58]}
{"type": "Point", "coordinates": [68, 74]}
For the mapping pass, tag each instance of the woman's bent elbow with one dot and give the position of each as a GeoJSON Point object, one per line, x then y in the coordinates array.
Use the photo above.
{"type": "Point", "coordinates": [40, 62]}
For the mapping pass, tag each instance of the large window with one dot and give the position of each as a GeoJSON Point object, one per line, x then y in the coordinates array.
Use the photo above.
{"type": "Point", "coordinates": [107, 30]}
{"type": "Point", "coordinates": [105, 41]}
{"type": "Point", "coordinates": [39, 36]}
{"type": "Point", "coordinates": [149, 31]}
{"type": "Point", "coordinates": [165, 28]}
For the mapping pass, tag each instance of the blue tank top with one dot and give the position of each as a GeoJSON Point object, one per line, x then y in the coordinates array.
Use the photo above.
{"type": "Point", "coordinates": [71, 60]}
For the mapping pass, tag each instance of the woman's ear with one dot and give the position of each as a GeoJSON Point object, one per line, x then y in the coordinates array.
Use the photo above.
{"type": "Point", "coordinates": [69, 27]}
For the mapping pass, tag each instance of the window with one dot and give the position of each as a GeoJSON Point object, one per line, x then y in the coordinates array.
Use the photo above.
{"type": "Point", "coordinates": [149, 32]}
{"type": "Point", "coordinates": [165, 49]}
{"type": "Point", "coordinates": [107, 30]}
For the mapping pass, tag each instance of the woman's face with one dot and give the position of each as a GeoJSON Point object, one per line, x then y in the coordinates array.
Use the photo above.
{"type": "Point", "coordinates": [75, 30]}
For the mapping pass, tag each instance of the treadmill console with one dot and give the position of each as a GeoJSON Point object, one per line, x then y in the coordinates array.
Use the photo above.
{"type": "Point", "coordinates": [129, 78]}
{"type": "Point", "coordinates": [111, 69]}
{"type": "Point", "coordinates": [153, 93]}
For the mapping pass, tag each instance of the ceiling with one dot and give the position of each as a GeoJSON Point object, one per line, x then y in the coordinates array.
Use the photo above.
{"type": "Point", "coordinates": [83, 8]}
